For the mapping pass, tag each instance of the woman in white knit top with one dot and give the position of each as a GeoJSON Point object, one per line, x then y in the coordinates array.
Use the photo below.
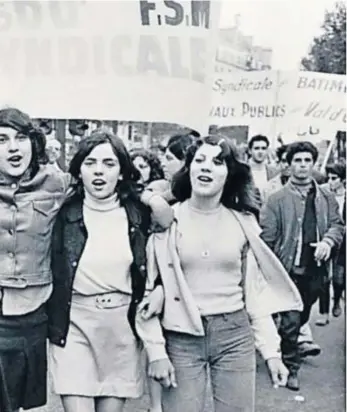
{"type": "Point", "coordinates": [221, 285]}
{"type": "Point", "coordinates": [99, 272]}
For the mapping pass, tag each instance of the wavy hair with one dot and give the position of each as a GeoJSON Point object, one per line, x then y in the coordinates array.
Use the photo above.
{"type": "Point", "coordinates": [238, 192]}
{"type": "Point", "coordinates": [21, 122]}
{"type": "Point", "coordinates": [156, 171]}
{"type": "Point", "coordinates": [179, 145]}
{"type": "Point", "coordinates": [301, 147]}
{"type": "Point", "coordinates": [130, 175]}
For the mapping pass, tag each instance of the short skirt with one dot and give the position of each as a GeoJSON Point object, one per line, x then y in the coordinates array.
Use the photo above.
{"type": "Point", "coordinates": [23, 361]}
{"type": "Point", "coordinates": [102, 357]}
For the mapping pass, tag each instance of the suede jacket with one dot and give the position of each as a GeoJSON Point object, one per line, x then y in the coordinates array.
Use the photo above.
{"type": "Point", "coordinates": [267, 286]}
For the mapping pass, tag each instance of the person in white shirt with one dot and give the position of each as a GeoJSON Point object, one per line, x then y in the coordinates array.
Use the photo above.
{"type": "Point", "coordinates": [262, 171]}
{"type": "Point", "coordinates": [219, 295]}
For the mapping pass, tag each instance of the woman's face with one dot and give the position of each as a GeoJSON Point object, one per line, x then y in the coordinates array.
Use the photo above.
{"type": "Point", "coordinates": [208, 173]}
{"type": "Point", "coordinates": [15, 152]}
{"type": "Point", "coordinates": [100, 172]}
{"type": "Point", "coordinates": [335, 182]}
{"type": "Point", "coordinates": [53, 150]}
{"type": "Point", "coordinates": [143, 167]}
{"type": "Point", "coordinates": [171, 164]}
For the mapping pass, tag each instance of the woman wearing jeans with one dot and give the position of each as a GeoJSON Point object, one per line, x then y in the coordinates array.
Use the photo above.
{"type": "Point", "coordinates": [221, 285]}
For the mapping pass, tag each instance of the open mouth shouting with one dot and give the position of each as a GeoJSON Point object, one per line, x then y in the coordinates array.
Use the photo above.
{"type": "Point", "coordinates": [98, 184]}
{"type": "Point", "coordinates": [15, 160]}
{"type": "Point", "coordinates": [205, 179]}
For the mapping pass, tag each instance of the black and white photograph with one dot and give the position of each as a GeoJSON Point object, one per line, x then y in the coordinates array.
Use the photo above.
{"type": "Point", "coordinates": [137, 140]}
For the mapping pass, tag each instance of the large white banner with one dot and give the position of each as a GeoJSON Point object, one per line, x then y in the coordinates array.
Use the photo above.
{"type": "Point", "coordinates": [128, 60]}
{"type": "Point", "coordinates": [279, 100]}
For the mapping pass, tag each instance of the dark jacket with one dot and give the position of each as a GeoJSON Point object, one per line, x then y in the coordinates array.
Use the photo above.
{"type": "Point", "coordinates": [281, 221]}
{"type": "Point", "coordinates": [68, 242]}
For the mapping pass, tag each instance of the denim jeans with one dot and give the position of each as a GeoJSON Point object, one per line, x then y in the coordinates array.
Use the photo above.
{"type": "Point", "coordinates": [225, 356]}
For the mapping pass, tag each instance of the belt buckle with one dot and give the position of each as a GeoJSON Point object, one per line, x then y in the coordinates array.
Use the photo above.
{"type": "Point", "coordinates": [103, 302]}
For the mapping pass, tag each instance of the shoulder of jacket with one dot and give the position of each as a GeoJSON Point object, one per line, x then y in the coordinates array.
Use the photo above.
{"type": "Point", "coordinates": [278, 195]}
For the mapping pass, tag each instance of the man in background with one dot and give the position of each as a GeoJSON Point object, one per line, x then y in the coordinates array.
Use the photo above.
{"type": "Point", "coordinates": [262, 171]}
{"type": "Point", "coordinates": [301, 224]}
{"type": "Point", "coordinates": [53, 151]}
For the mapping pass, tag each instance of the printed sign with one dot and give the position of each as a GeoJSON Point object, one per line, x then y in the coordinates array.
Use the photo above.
{"type": "Point", "coordinates": [128, 59]}
{"type": "Point", "coordinates": [279, 100]}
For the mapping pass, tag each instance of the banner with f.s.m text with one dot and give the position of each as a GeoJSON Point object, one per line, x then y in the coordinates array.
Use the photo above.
{"type": "Point", "coordinates": [281, 99]}
{"type": "Point", "coordinates": [123, 59]}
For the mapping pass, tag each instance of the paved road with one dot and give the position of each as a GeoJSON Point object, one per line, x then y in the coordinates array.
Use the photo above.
{"type": "Point", "coordinates": [322, 380]}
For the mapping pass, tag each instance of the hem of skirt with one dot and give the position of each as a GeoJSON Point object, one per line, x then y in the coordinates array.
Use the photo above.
{"type": "Point", "coordinates": [110, 391]}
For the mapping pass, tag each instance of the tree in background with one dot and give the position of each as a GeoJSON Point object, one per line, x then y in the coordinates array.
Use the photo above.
{"type": "Point", "coordinates": [328, 51]}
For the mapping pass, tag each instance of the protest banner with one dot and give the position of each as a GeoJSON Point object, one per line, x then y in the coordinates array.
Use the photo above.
{"type": "Point", "coordinates": [242, 99]}
{"type": "Point", "coordinates": [279, 101]}
{"type": "Point", "coordinates": [314, 99]}
{"type": "Point", "coordinates": [127, 60]}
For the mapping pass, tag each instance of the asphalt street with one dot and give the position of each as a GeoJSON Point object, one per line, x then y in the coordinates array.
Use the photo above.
{"type": "Point", "coordinates": [322, 379]}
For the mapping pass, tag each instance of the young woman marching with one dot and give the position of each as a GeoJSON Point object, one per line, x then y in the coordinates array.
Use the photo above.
{"type": "Point", "coordinates": [221, 285]}
{"type": "Point", "coordinates": [99, 272]}
{"type": "Point", "coordinates": [30, 197]}
{"type": "Point", "coordinates": [31, 194]}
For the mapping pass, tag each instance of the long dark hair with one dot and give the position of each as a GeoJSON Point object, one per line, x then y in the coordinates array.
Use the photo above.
{"type": "Point", "coordinates": [130, 175]}
{"type": "Point", "coordinates": [179, 145]}
{"type": "Point", "coordinates": [238, 192]}
{"type": "Point", "coordinates": [156, 171]}
{"type": "Point", "coordinates": [21, 122]}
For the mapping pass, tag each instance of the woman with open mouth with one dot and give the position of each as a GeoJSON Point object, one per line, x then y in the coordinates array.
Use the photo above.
{"type": "Point", "coordinates": [221, 285]}
{"type": "Point", "coordinates": [100, 277]}
{"type": "Point", "coordinates": [31, 195]}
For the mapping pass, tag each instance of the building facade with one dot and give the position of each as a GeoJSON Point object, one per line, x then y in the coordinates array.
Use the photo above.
{"type": "Point", "coordinates": [238, 52]}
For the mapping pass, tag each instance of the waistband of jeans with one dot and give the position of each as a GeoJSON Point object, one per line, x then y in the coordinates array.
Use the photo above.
{"type": "Point", "coordinates": [239, 312]}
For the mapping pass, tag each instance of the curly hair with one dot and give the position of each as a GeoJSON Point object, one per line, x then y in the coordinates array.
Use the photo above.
{"type": "Point", "coordinates": [156, 171]}
{"type": "Point", "coordinates": [21, 122]}
{"type": "Point", "coordinates": [300, 147]}
{"type": "Point", "coordinates": [130, 175]}
{"type": "Point", "coordinates": [239, 191]}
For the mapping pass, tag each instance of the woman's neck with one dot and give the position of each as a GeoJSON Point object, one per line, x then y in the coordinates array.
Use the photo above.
{"type": "Point", "coordinates": [205, 203]}
{"type": "Point", "coordinates": [102, 205]}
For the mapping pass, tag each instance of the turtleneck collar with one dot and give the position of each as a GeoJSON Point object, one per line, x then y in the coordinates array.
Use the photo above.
{"type": "Point", "coordinates": [101, 205]}
{"type": "Point", "coordinates": [297, 182]}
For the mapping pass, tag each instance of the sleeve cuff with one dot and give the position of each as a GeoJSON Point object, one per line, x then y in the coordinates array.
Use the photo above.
{"type": "Point", "coordinates": [156, 352]}
{"type": "Point", "coordinates": [328, 241]}
{"type": "Point", "coordinates": [147, 195]}
{"type": "Point", "coordinates": [268, 353]}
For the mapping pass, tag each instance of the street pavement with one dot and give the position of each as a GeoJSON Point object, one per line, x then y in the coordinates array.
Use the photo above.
{"type": "Point", "coordinates": [322, 379]}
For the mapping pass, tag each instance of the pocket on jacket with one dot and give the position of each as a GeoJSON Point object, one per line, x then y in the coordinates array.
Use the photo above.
{"type": "Point", "coordinates": [44, 211]}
